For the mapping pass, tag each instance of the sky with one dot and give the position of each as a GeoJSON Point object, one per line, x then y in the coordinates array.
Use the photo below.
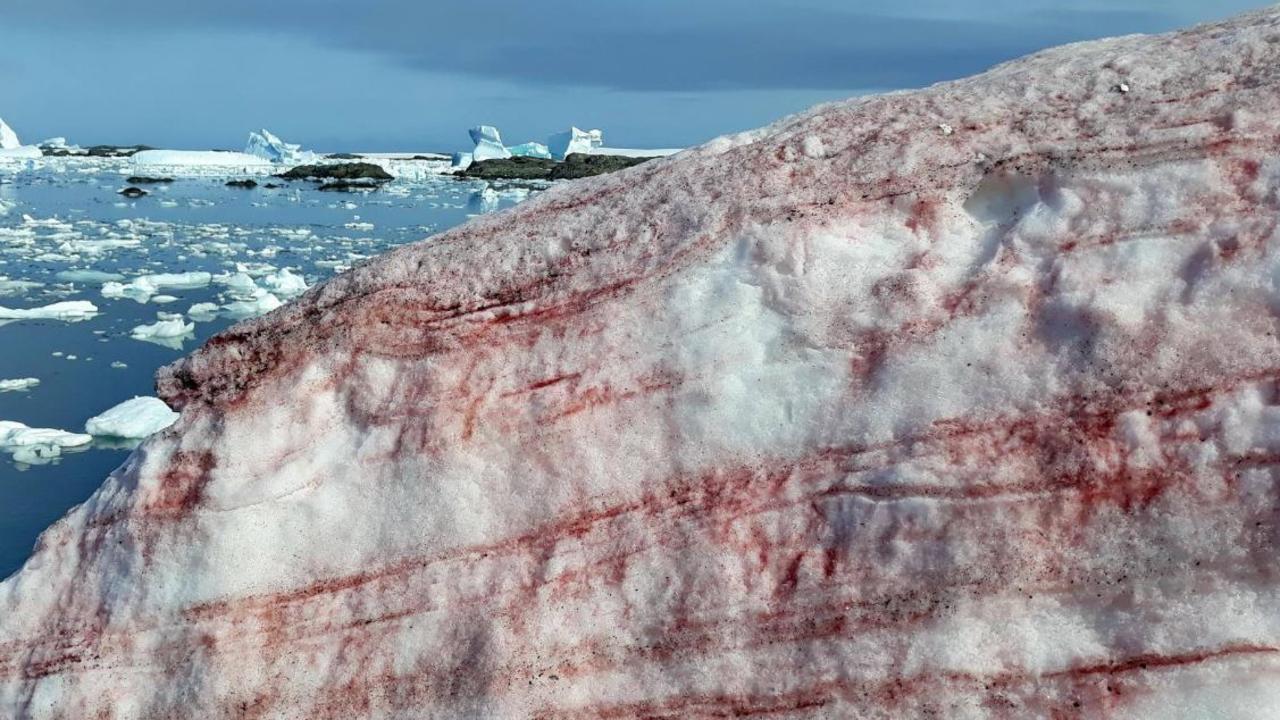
{"type": "Point", "coordinates": [413, 75]}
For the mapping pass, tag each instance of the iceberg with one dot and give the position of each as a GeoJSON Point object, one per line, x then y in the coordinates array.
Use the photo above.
{"type": "Point", "coordinates": [488, 144]}
{"type": "Point", "coordinates": [8, 138]}
{"type": "Point", "coordinates": [573, 140]}
{"type": "Point", "coordinates": [137, 418]}
{"type": "Point", "coordinates": [285, 283]}
{"type": "Point", "coordinates": [530, 149]}
{"type": "Point", "coordinates": [461, 161]}
{"type": "Point", "coordinates": [845, 417]}
{"type": "Point", "coordinates": [267, 146]}
{"type": "Point", "coordinates": [12, 149]}
{"type": "Point", "coordinates": [169, 331]}
{"type": "Point", "coordinates": [197, 162]}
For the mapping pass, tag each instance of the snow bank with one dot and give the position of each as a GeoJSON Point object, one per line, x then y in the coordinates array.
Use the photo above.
{"type": "Point", "coordinates": [69, 311]}
{"type": "Point", "coordinates": [851, 417]}
{"type": "Point", "coordinates": [488, 144]}
{"type": "Point", "coordinates": [138, 418]}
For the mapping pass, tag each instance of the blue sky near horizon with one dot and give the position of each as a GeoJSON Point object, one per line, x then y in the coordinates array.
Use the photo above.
{"type": "Point", "coordinates": [414, 74]}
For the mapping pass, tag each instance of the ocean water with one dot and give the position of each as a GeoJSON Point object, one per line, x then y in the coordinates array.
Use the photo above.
{"type": "Point", "coordinates": [67, 216]}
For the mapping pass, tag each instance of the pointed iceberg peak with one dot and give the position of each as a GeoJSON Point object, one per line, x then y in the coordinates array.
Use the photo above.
{"type": "Point", "coordinates": [574, 140]}
{"type": "Point", "coordinates": [488, 144]}
{"type": "Point", "coordinates": [8, 138]}
{"type": "Point", "coordinates": [267, 146]}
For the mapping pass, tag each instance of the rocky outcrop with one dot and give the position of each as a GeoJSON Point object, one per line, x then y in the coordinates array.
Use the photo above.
{"type": "Point", "coordinates": [338, 171]}
{"type": "Point", "coordinates": [957, 403]}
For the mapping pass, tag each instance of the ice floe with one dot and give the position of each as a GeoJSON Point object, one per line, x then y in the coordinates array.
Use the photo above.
{"type": "Point", "coordinates": [69, 311]}
{"type": "Point", "coordinates": [18, 384]}
{"type": "Point", "coordinates": [35, 446]}
{"type": "Point", "coordinates": [170, 331]}
{"type": "Point", "coordinates": [137, 418]}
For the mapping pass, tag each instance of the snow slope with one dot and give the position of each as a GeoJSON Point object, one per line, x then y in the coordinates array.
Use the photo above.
{"type": "Point", "coordinates": [958, 403]}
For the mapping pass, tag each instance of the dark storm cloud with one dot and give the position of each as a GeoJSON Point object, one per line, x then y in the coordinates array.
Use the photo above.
{"type": "Point", "coordinates": [657, 45]}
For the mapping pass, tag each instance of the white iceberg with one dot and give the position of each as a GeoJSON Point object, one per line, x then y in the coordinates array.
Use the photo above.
{"type": "Point", "coordinates": [8, 138]}
{"type": "Point", "coordinates": [267, 146]}
{"type": "Point", "coordinates": [18, 384]}
{"type": "Point", "coordinates": [69, 311]}
{"type": "Point", "coordinates": [170, 331]}
{"type": "Point", "coordinates": [137, 418]}
{"type": "Point", "coordinates": [285, 283]}
{"type": "Point", "coordinates": [530, 149]}
{"type": "Point", "coordinates": [488, 144]}
{"type": "Point", "coordinates": [203, 312]}
{"type": "Point", "coordinates": [574, 140]}
{"type": "Point", "coordinates": [461, 161]}
{"type": "Point", "coordinates": [260, 302]}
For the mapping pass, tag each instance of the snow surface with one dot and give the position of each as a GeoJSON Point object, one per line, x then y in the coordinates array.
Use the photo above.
{"type": "Point", "coordinates": [137, 418]}
{"type": "Point", "coordinates": [847, 417]}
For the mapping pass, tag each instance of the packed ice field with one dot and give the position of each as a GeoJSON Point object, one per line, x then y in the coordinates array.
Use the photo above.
{"type": "Point", "coordinates": [98, 290]}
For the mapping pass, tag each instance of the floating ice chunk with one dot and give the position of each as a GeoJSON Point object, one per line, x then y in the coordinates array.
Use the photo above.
{"type": "Point", "coordinates": [36, 446]}
{"type": "Point", "coordinates": [238, 283]}
{"type": "Point", "coordinates": [137, 418]}
{"type": "Point", "coordinates": [530, 149]}
{"type": "Point", "coordinates": [18, 384]}
{"type": "Point", "coordinates": [169, 332]}
{"type": "Point", "coordinates": [461, 160]}
{"type": "Point", "coordinates": [488, 144]}
{"type": "Point", "coordinates": [8, 138]}
{"type": "Point", "coordinates": [285, 283]}
{"type": "Point", "coordinates": [69, 311]}
{"type": "Point", "coordinates": [260, 302]}
{"type": "Point", "coordinates": [90, 277]}
{"type": "Point", "coordinates": [16, 287]}
{"type": "Point", "coordinates": [573, 140]}
{"type": "Point", "coordinates": [203, 312]}
{"type": "Point", "coordinates": [267, 146]}
{"type": "Point", "coordinates": [14, 435]}
{"type": "Point", "coordinates": [143, 287]}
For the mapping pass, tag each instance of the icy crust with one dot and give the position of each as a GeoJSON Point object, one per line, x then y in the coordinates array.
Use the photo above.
{"type": "Point", "coordinates": [959, 403]}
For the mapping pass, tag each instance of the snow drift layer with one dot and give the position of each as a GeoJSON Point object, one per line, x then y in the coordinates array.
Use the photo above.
{"type": "Point", "coordinates": [960, 403]}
